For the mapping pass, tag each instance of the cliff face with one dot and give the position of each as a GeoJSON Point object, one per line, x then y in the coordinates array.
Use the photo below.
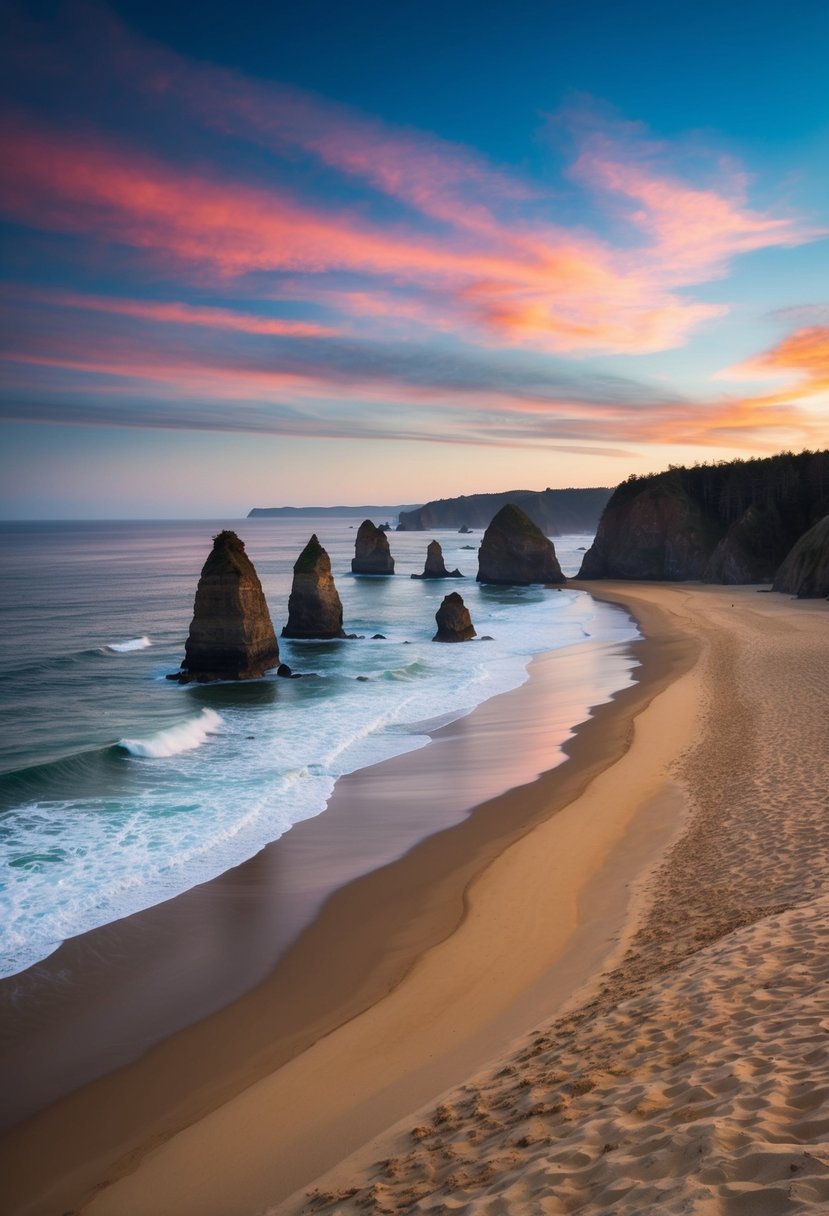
{"type": "Point", "coordinates": [725, 523]}
{"type": "Point", "coordinates": [658, 534]}
{"type": "Point", "coordinates": [805, 571]}
{"type": "Point", "coordinates": [314, 606]}
{"type": "Point", "coordinates": [435, 566]}
{"type": "Point", "coordinates": [751, 549]}
{"type": "Point", "coordinates": [453, 620]}
{"type": "Point", "coordinates": [554, 511]}
{"type": "Point", "coordinates": [231, 634]}
{"type": "Point", "coordinates": [514, 551]}
{"type": "Point", "coordinates": [371, 551]}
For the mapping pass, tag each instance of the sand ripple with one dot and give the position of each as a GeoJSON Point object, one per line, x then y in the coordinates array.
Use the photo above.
{"type": "Point", "coordinates": [697, 1079]}
{"type": "Point", "coordinates": [698, 1095]}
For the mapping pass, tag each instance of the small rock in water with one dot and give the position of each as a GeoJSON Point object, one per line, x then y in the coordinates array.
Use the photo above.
{"type": "Point", "coordinates": [435, 566]}
{"type": "Point", "coordinates": [453, 620]}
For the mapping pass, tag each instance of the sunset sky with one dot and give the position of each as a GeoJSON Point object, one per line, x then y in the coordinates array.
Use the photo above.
{"type": "Point", "coordinates": [386, 252]}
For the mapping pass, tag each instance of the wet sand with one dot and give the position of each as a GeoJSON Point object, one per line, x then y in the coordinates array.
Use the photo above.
{"type": "Point", "coordinates": [693, 1075]}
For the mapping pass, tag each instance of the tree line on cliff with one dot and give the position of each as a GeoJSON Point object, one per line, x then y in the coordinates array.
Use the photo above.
{"type": "Point", "coordinates": [726, 522]}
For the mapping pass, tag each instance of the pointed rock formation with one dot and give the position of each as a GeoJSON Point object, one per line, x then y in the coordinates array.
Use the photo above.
{"type": "Point", "coordinates": [453, 620]}
{"type": "Point", "coordinates": [371, 551]}
{"type": "Point", "coordinates": [515, 551]}
{"type": "Point", "coordinates": [435, 566]}
{"type": "Point", "coordinates": [805, 571]}
{"type": "Point", "coordinates": [314, 607]}
{"type": "Point", "coordinates": [231, 634]}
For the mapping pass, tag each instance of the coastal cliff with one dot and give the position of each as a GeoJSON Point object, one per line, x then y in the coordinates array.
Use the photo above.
{"type": "Point", "coordinates": [805, 572]}
{"type": "Point", "coordinates": [726, 523]}
{"type": "Point", "coordinates": [231, 635]}
{"type": "Point", "coordinates": [553, 511]}
{"type": "Point", "coordinates": [516, 552]}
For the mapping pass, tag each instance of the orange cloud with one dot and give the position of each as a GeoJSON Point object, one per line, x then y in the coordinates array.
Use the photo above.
{"type": "Point", "coordinates": [805, 352]}
{"type": "Point", "coordinates": [797, 413]}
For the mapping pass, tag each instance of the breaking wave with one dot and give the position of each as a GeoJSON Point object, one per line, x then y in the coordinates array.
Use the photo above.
{"type": "Point", "coordinates": [185, 737]}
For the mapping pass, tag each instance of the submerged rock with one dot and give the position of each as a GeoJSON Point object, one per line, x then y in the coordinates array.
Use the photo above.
{"type": "Point", "coordinates": [314, 607]}
{"type": "Point", "coordinates": [453, 620]}
{"type": "Point", "coordinates": [805, 571]}
{"type": "Point", "coordinates": [435, 566]}
{"type": "Point", "coordinates": [371, 551]}
{"type": "Point", "coordinates": [231, 634]}
{"type": "Point", "coordinates": [515, 551]}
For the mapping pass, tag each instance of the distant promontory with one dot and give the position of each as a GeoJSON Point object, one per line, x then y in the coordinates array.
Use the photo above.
{"type": "Point", "coordinates": [554, 511]}
{"type": "Point", "coordinates": [371, 512]}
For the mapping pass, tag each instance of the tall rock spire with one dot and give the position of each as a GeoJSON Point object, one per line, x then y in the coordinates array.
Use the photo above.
{"type": "Point", "coordinates": [231, 634]}
{"type": "Point", "coordinates": [314, 607]}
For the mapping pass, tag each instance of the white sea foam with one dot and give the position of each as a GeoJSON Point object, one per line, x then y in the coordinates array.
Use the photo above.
{"type": "Point", "coordinates": [185, 737]}
{"type": "Point", "coordinates": [180, 813]}
{"type": "Point", "coordinates": [130, 644]}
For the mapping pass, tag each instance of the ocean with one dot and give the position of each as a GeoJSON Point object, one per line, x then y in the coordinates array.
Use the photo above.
{"type": "Point", "coordinates": [120, 789]}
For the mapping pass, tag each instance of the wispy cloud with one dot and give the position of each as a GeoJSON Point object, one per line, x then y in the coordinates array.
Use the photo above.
{"type": "Point", "coordinates": [126, 378]}
{"type": "Point", "coordinates": [402, 270]}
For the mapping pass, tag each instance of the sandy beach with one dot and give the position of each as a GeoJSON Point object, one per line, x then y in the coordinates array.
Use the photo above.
{"type": "Point", "coordinates": [600, 988]}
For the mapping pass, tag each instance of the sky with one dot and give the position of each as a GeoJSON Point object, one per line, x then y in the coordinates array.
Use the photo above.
{"type": "Point", "coordinates": [369, 252]}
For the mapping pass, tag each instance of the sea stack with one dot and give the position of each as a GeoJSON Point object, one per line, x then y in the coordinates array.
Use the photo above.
{"type": "Point", "coordinates": [435, 566]}
{"type": "Point", "coordinates": [371, 551]}
{"type": "Point", "coordinates": [314, 607]}
{"type": "Point", "coordinates": [231, 634]}
{"type": "Point", "coordinates": [453, 620]}
{"type": "Point", "coordinates": [515, 551]}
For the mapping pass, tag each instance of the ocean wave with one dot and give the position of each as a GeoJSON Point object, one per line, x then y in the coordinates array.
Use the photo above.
{"type": "Point", "coordinates": [130, 644]}
{"type": "Point", "coordinates": [411, 671]}
{"type": "Point", "coordinates": [184, 737]}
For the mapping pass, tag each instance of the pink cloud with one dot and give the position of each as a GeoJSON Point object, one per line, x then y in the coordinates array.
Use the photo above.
{"type": "Point", "coordinates": [693, 232]}
{"type": "Point", "coordinates": [561, 297]}
{"type": "Point", "coordinates": [474, 250]}
{"type": "Point", "coordinates": [177, 313]}
{"type": "Point", "coordinates": [111, 364]}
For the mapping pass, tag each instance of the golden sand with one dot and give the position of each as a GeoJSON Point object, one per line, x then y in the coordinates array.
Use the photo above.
{"type": "Point", "coordinates": [626, 1011]}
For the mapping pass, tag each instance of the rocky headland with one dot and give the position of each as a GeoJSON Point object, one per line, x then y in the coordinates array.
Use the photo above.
{"type": "Point", "coordinates": [725, 523]}
{"type": "Point", "coordinates": [554, 511]}
{"type": "Point", "coordinates": [231, 635]}
{"type": "Point", "coordinates": [314, 606]}
{"type": "Point", "coordinates": [371, 551]}
{"type": "Point", "coordinates": [805, 572]}
{"type": "Point", "coordinates": [516, 552]}
{"type": "Point", "coordinates": [435, 566]}
{"type": "Point", "coordinates": [453, 620]}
